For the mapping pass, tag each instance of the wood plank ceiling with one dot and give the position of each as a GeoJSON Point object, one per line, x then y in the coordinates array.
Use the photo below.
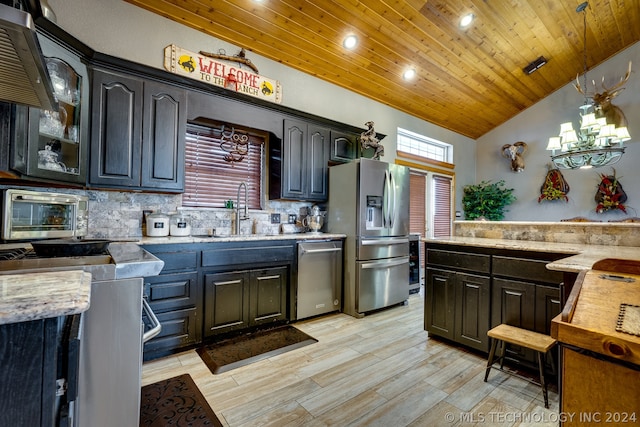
{"type": "Point", "coordinates": [468, 80]}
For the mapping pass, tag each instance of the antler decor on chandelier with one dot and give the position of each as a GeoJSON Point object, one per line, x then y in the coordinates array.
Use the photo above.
{"type": "Point", "coordinates": [603, 127]}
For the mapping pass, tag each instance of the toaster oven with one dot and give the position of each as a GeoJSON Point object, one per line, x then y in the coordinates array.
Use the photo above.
{"type": "Point", "coordinates": [30, 215]}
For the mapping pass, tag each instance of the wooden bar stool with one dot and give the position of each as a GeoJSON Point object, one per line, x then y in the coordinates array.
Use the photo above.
{"type": "Point", "coordinates": [533, 340]}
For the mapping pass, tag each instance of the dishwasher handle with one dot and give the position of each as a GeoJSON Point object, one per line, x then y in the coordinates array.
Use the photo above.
{"type": "Point", "coordinates": [156, 328]}
{"type": "Point", "coordinates": [304, 251]}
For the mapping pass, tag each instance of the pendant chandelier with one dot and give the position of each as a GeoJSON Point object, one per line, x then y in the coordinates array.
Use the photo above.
{"type": "Point", "coordinates": [596, 143]}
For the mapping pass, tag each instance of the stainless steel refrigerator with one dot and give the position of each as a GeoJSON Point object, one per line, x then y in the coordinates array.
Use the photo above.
{"type": "Point", "coordinates": [369, 202]}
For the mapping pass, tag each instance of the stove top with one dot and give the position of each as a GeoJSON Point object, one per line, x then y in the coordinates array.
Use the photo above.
{"type": "Point", "coordinates": [24, 259]}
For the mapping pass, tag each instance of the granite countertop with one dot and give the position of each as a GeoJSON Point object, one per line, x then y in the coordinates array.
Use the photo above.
{"type": "Point", "coordinates": [580, 256]}
{"type": "Point", "coordinates": [33, 296]}
{"type": "Point", "coordinates": [238, 238]}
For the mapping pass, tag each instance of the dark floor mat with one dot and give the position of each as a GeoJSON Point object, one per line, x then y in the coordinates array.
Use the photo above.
{"type": "Point", "coordinates": [175, 402]}
{"type": "Point", "coordinates": [240, 351]}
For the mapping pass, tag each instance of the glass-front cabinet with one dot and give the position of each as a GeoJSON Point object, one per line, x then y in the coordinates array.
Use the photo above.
{"type": "Point", "coordinates": [52, 144]}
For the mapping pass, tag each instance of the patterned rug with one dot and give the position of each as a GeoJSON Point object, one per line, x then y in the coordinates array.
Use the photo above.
{"type": "Point", "coordinates": [249, 348]}
{"type": "Point", "coordinates": [175, 402]}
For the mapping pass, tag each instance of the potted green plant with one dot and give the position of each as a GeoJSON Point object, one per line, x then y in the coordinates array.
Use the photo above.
{"type": "Point", "coordinates": [486, 200]}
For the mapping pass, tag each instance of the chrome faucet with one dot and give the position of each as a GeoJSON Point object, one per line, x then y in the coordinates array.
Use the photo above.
{"type": "Point", "coordinates": [246, 211]}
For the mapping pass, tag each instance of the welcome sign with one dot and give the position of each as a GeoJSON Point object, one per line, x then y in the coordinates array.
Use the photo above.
{"type": "Point", "coordinates": [217, 73]}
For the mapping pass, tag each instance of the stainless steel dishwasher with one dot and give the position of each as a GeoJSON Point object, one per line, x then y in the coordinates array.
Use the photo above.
{"type": "Point", "coordinates": [319, 278]}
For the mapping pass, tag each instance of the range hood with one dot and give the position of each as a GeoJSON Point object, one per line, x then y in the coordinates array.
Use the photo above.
{"type": "Point", "coordinates": [23, 75]}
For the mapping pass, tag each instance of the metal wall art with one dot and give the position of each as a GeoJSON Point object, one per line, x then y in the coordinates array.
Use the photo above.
{"type": "Point", "coordinates": [368, 139]}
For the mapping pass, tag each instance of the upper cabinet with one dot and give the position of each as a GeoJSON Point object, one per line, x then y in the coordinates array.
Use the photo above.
{"type": "Point", "coordinates": [52, 145]}
{"type": "Point", "coordinates": [137, 133]}
{"type": "Point", "coordinates": [299, 164]}
{"type": "Point", "coordinates": [344, 146]}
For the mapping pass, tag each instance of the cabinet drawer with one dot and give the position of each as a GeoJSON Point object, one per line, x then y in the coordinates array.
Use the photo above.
{"type": "Point", "coordinates": [460, 260]}
{"type": "Point", "coordinates": [527, 269]}
{"type": "Point", "coordinates": [178, 261]}
{"type": "Point", "coordinates": [171, 291]}
{"type": "Point", "coordinates": [179, 329]}
{"type": "Point", "coordinates": [266, 253]}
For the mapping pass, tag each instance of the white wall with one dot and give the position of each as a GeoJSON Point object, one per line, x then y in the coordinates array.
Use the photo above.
{"type": "Point", "coordinates": [541, 121]}
{"type": "Point", "coordinates": [120, 29]}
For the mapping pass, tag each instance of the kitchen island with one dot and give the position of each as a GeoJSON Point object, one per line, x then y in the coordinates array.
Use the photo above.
{"type": "Point", "coordinates": [579, 256]}
{"type": "Point", "coordinates": [33, 308]}
{"type": "Point", "coordinates": [475, 283]}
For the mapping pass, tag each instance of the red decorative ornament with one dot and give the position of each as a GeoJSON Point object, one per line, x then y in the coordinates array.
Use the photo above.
{"type": "Point", "coordinates": [231, 82]}
{"type": "Point", "coordinates": [610, 195]}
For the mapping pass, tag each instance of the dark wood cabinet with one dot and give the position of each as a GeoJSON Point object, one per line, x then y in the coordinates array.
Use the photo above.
{"type": "Point", "coordinates": [52, 145]}
{"type": "Point", "coordinates": [344, 146]}
{"type": "Point", "coordinates": [440, 292]}
{"type": "Point", "coordinates": [226, 301]}
{"type": "Point", "coordinates": [471, 289]}
{"type": "Point", "coordinates": [243, 299]}
{"type": "Point", "coordinates": [175, 296]}
{"type": "Point", "coordinates": [206, 290]}
{"type": "Point", "coordinates": [457, 306]}
{"type": "Point", "coordinates": [116, 130]}
{"type": "Point", "coordinates": [28, 375]}
{"type": "Point", "coordinates": [473, 294]}
{"type": "Point", "coordinates": [138, 133]}
{"type": "Point", "coordinates": [268, 295]}
{"type": "Point", "coordinates": [299, 165]}
{"type": "Point", "coordinates": [163, 143]}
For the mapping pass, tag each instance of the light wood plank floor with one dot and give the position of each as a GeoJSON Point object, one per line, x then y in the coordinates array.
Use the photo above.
{"type": "Point", "coordinates": [382, 370]}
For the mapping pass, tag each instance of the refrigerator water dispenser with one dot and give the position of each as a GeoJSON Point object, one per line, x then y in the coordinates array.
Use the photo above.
{"type": "Point", "coordinates": [374, 212]}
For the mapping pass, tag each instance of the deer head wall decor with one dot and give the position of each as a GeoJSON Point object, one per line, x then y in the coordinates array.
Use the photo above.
{"type": "Point", "coordinates": [514, 152]}
{"type": "Point", "coordinates": [602, 100]}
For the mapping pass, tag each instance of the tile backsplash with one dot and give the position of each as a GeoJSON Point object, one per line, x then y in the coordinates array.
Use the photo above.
{"type": "Point", "coordinates": [591, 233]}
{"type": "Point", "coordinates": [119, 215]}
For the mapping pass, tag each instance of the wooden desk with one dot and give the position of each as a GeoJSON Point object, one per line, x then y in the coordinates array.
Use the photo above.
{"type": "Point", "coordinates": [600, 367]}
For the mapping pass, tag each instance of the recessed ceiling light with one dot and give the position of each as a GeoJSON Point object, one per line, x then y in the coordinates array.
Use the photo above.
{"type": "Point", "coordinates": [350, 41]}
{"type": "Point", "coordinates": [466, 20]}
{"type": "Point", "coordinates": [409, 74]}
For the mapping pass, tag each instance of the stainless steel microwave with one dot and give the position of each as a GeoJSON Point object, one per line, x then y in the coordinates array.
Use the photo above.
{"type": "Point", "coordinates": [39, 215]}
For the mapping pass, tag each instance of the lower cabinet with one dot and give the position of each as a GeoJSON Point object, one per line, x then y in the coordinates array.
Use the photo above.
{"type": "Point", "coordinates": [28, 375]}
{"type": "Point", "coordinates": [209, 289]}
{"type": "Point", "coordinates": [174, 299]}
{"type": "Point", "coordinates": [242, 299]}
{"type": "Point", "coordinates": [458, 307]}
{"type": "Point", "coordinates": [472, 289]}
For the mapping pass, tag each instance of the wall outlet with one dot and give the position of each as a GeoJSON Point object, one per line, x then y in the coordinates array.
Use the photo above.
{"type": "Point", "coordinates": [275, 218]}
{"type": "Point", "coordinates": [292, 218]}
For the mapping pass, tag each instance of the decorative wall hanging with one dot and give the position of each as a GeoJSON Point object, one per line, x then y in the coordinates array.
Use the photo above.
{"type": "Point", "coordinates": [514, 152]}
{"type": "Point", "coordinates": [368, 139]}
{"type": "Point", "coordinates": [610, 195]}
{"type": "Point", "coordinates": [205, 67]}
{"type": "Point", "coordinates": [554, 187]}
{"type": "Point", "coordinates": [236, 145]}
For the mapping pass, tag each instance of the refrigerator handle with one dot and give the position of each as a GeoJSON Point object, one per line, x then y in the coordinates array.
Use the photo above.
{"type": "Point", "coordinates": [385, 196]}
{"type": "Point", "coordinates": [392, 208]}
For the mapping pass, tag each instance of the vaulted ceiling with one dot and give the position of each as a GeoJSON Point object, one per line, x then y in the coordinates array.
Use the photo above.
{"type": "Point", "coordinates": [468, 80]}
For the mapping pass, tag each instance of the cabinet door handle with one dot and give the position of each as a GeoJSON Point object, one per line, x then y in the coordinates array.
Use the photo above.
{"type": "Point", "coordinates": [277, 276]}
{"type": "Point", "coordinates": [230, 282]}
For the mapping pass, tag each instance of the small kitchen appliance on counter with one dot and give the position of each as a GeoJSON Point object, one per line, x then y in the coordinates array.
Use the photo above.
{"type": "Point", "coordinates": [315, 220]}
{"type": "Point", "coordinates": [40, 215]}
